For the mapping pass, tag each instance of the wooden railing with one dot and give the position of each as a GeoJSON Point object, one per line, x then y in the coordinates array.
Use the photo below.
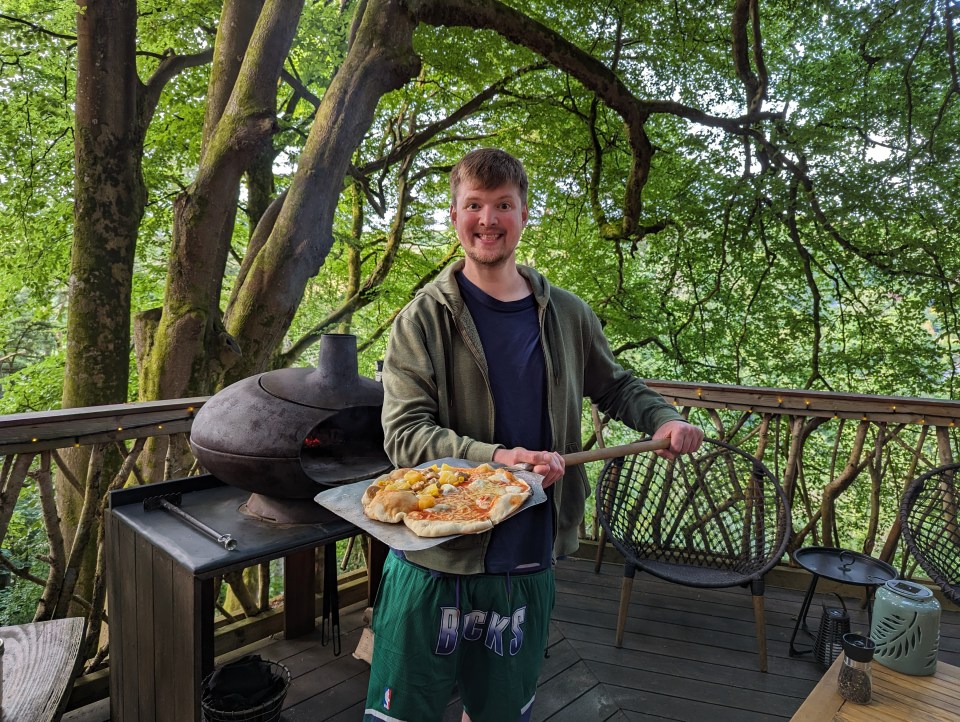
{"type": "Point", "coordinates": [842, 458]}
{"type": "Point", "coordinates": [37, 446]}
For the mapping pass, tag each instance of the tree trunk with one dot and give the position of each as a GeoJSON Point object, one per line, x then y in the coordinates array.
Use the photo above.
{"type": "Point", "coordinates": [260, 187]}
{"type": "Point", "coordinates": [192, 349]}
{"type": "Point", "coordinates": [238, 18]}
{"type": "Point", "coordinates": [109, 199]}
{"type": "Point", "coordinates": [380, 59]}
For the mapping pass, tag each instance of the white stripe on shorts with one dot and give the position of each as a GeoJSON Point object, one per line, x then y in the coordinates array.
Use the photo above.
{"type": "Point", "coordinates": [377, 714]}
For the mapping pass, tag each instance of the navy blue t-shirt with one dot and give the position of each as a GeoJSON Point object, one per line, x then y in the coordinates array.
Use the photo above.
{"type": "Point", "coordinates": [510, 334]}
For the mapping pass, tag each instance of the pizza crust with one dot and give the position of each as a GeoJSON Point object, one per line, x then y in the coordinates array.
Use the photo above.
{"type": "Point", "coordinates": [446, 527]}
{"type": "Point", "coordinates": [505, 505]}
{"type": "Point", "coordinates": [388, 506]}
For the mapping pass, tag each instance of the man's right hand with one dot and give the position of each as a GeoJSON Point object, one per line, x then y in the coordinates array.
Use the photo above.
{"type": "Point", "coordinates": [549, 464]}
{"type": "Point", "coordinates": [685, 438]}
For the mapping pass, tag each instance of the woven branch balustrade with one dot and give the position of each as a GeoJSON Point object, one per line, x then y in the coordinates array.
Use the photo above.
{"type": "Point", "coordinates": [843, 461]}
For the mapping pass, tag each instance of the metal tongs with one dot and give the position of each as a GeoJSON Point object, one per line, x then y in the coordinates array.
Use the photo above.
{"type": "Point", "coordinates": [171, 503]}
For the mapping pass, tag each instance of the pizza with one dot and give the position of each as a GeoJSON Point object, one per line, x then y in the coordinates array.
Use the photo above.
{"type": "Point", "coordinates": [444, 500]}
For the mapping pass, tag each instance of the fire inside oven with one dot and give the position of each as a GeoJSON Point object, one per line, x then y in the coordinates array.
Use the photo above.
{"type": "Point", "coordinates": [347, 446]}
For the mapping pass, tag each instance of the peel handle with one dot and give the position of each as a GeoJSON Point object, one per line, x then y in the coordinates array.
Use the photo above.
{"type": "Point", "coordinates": [612, 452]}
{"type": "Point", "coordinates": [607, 452]}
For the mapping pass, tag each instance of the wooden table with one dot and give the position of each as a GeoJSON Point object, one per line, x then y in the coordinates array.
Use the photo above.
{"type": "Point", "coordinates": [896, 696]}
{"type": "Point", "coordinates": [160, 588]}
{"type": "Point", "coordinates": [39, 663]}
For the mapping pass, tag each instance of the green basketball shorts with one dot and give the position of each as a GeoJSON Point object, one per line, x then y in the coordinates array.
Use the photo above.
{"type": "Point", "coordinates": [484, 633]}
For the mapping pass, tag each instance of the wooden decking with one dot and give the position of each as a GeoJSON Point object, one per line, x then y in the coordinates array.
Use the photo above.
{"type": "Point", "coordinates": [688, 654]}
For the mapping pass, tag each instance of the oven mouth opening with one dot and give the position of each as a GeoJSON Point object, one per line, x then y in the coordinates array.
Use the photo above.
{"type": "Point", "coordinates": [345, 447]}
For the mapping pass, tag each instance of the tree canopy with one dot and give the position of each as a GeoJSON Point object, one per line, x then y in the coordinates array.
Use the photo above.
{"type": "Point", "coordinates": [753, 193]}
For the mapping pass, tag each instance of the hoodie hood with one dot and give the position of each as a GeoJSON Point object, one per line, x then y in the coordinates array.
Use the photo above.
{"type": "Point", "coordinates": [446, 291]}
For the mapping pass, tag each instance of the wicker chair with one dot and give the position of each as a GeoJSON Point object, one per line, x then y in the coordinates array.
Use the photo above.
{"type": "Point", "coordinates": [717, 518]}
{"type": "Point", "coordinates": [929, 520]}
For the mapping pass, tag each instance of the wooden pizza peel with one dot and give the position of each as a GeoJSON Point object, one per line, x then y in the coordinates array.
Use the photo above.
{"type": "Point", "coordinates": [345, 502]}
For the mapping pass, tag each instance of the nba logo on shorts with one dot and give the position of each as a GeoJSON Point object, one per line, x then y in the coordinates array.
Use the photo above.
{"type": "Point", "coordinates": [387, 696]}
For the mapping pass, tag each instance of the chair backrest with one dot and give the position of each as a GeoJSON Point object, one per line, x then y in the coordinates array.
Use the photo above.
{"type": "Point", "coordinates": [929, 521]}
{"type": "Point", "coordinates": [716, 518]}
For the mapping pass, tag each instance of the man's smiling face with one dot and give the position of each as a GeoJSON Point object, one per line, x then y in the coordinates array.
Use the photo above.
{"type": "Point", "coordinates": [489, 222]}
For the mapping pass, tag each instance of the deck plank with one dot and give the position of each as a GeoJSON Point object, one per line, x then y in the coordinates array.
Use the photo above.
{"type": "Point", "coordinates": [595, 704]}
{"type": "Point", "coordinates": [688, 654]}
{"type": "Point", "coordinates": [563, 689]}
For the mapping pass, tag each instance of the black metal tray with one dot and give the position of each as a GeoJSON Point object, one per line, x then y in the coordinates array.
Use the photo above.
{"type": "Point", "coordinates": [844, 565]}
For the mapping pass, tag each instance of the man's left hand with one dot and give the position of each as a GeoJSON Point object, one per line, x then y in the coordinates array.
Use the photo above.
{"type": "Point", "coordinates": [684, 438]}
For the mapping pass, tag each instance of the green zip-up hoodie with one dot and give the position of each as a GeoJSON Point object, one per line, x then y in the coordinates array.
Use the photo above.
{"type": "Point", "coordinates": [438, 402]}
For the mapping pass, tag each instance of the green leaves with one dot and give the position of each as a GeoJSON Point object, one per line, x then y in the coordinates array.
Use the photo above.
{"type": "Point", "coordinates": [24, 542]}
{"type": "Point", "coordinates": [850, 174]}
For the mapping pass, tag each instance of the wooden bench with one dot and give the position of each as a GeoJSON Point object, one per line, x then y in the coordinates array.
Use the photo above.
{"type": "Point", "coordinates": [39, 664]}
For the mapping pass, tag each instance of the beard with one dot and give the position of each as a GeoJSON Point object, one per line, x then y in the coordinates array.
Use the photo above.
{"type": "Point", "coordinates": [490, 258]}
{"type": "Point", "coordinates": [488, 255]}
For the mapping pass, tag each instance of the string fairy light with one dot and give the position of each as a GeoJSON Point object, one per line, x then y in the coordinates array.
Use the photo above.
{"type": "Point", "coordinates": [77, 441]}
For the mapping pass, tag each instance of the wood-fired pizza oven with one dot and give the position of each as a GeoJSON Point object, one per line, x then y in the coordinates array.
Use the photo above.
{"type": "Point", "coordinates": [286, 435]}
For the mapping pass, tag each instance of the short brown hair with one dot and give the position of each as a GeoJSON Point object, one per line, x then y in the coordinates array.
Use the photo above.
{"type": "Point", "coordinates": [490, 168]}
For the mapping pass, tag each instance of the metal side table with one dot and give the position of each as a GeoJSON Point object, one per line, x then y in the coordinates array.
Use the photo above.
{"type": "Point", "coordinates": [838, 565]}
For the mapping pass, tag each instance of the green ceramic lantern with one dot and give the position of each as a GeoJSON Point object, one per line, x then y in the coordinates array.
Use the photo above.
{"type": "Point", "coordinates": [906, 627]}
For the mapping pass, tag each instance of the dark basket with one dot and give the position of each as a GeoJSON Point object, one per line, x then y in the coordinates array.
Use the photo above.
{"type": "Point", "coordinates": [268, 711]}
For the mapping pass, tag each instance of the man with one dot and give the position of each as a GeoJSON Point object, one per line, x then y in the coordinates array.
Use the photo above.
{"type": "Point", "coordinates": [491, 363]}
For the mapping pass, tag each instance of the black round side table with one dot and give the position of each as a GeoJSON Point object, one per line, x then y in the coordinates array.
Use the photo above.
{"type": "Point", "coordinates": [838, 565]}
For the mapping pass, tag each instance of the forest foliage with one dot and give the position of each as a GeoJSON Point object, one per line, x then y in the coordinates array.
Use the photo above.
{"type": "Point", "coordinates": [839, 275]}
